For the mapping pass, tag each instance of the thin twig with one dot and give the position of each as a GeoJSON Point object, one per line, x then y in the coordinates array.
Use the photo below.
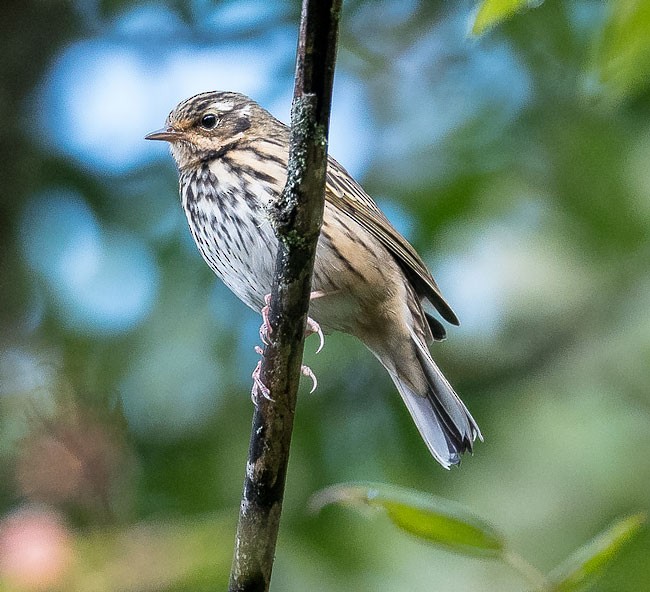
{"type": "Point", "coordinates": [297, 219]}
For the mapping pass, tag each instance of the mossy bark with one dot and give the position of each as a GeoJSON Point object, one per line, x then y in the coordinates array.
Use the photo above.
{"type": "Point", "coordinates": [297, 219]}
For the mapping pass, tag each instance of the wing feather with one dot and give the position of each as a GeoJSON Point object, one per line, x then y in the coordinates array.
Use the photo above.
{"type": "Point", "coordinates": [347, 195]}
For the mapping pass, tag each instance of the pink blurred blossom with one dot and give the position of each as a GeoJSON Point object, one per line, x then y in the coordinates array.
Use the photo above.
{"type": "Point", "coordinates": [35, 550]}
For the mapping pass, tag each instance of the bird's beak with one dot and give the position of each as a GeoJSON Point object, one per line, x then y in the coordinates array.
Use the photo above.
{"type": "Point", "coordinates": [166, 133]}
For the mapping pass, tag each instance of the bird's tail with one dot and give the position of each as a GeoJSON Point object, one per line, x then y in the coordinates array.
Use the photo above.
{"type": "Point", "coordinates": [444, 422]}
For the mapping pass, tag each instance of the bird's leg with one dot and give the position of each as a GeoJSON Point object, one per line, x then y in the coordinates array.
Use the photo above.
{"type": "Point", "coordinates": [265, 327]}
{"type": "Point", "coordinates": [312, 326]}
{"type": "Point", "coordinates": [259, 388]}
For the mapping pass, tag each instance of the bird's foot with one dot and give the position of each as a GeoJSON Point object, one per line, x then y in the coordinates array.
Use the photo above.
{"type": "Point", "coordinates": [307, 371]}
{"type": "Point", "coordinates": [259, 388]}
{"type": "Point", "coordinates": [265, 327]}
{"type": "Point", "coordinates": [312, 326]}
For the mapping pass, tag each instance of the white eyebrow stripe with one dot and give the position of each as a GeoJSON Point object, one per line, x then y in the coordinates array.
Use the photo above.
{"type": "Point", "coordinates": [224, 105]}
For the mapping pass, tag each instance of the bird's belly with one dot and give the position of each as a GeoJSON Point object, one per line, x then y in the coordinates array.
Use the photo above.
{"type": "Point", "coordinates": [239, 246]}
{"type": "Point", "coordinates": [237, 241]}
{"type": "Point", "coordinates": [244, 258]}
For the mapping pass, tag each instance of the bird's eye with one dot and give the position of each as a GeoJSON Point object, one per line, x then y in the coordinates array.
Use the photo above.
{"type": "Point", "coordinates": [209, 121]}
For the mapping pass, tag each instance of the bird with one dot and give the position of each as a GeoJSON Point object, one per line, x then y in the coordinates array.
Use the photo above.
{"type": "Point", "coordinates": [368, 281]}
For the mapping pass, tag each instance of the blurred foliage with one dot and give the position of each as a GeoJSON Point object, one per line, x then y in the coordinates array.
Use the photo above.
{"type": "Point", "coordinates": [491, 12]}
{"type": "Point", "coordinates": [623, 52]}
{"type": "Point", "coordinates": [453, 527]}
{"type": "Point", "coordinates": [433, 519]}
{"type": "Point", "coordinates": [585, 566]}
{"type": "Point", "coordinates": [517, 164]}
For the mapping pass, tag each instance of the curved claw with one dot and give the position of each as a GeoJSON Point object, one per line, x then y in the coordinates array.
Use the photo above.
{"type": "Point", "coordinates": [307, 371]}
{"type": "Point", "coordinates": [265, 327]}
{"type": "Point", "coordinates": [314, 327]}
{"type": "Point", "coordinates": [259, 388]}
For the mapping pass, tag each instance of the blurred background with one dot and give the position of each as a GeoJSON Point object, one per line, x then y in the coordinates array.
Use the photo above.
{"type": "Point", "coordinates": [518, 163]}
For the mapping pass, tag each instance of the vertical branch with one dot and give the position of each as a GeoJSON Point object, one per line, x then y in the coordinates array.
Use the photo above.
{"type": "Point", "coordinates": [297, 219]}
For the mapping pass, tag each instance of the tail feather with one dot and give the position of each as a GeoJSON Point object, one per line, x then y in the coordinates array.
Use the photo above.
{"type": "Point", "coordinates": [444, 422]}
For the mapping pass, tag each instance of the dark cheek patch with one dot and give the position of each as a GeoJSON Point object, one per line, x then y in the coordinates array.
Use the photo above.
{"type": "Point", "coordinates": [241, 125]}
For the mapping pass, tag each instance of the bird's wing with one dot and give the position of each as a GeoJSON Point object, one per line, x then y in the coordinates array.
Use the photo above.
{"type": "Point", "coordinates": [347, 195]}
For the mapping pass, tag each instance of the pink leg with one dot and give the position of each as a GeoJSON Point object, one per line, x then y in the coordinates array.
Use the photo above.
{"type": "Point", "coordinates": [259, 388]}
{"type": "Point", "coordinates": [265, 327]}
{"type": "Point", "coordinates": [312, 326]}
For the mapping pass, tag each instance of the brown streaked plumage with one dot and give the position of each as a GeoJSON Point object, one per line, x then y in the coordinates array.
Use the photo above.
{"type": "Point", "coordinates": [371, 283]}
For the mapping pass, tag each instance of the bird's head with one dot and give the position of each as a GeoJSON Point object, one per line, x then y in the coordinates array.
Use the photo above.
{"type": "Point", "coordinates": [209, 124]}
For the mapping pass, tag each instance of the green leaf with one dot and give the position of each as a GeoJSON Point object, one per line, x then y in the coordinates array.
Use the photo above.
{"type": "Point", "coordinates": [436, 520]}
{"type": "Point", "coordinates": [584, 567]}
{"type": "Point", "coordinates": [492, 12]}
{"type": "Point", "coordinates": [622, 56]}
